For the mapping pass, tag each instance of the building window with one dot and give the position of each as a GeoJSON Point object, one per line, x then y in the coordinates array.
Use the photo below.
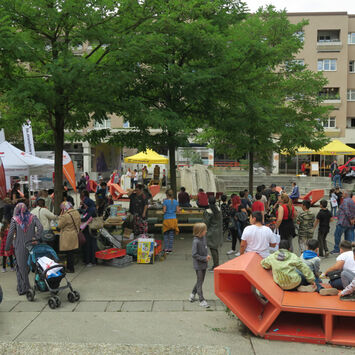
{"type": "Point", "coordinates": [300, 35]}
{"type": "Point", "coordinates": [104, 124]}
{"type": "Point", "coordinates": [328, 36]}
{"type": "Point", "coordinates": [351, 95]}
{"type": "Point", "coordinates": [327, 65]}
{"type": "Point", "coordinates": [329, 123]}
{"type": "Point", "coordinates": [330, 94]}
{"type": "Point", "coordinates": [352, 66]}
{"type": "Point", "coordinates": [351, 38]}
{"type": "Point", "coordinates": [350, 122]}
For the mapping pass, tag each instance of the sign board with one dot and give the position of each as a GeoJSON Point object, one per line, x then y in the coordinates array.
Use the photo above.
{"type": "Point", "coordinates": [314, 168]}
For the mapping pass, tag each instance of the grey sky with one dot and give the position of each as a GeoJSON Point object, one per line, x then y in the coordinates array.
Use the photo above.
{"type": "Point", "coordinates": [305, 5]}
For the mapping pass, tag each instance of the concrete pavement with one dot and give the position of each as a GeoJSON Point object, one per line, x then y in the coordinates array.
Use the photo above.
{"type": "Point", "coordinates": [139, 304]}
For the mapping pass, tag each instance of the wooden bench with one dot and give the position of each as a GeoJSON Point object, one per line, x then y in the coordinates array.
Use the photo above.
{"type": "Point", "coordinates": [288, 316]}
{"type": "Point", "coordinates": [182, 225]}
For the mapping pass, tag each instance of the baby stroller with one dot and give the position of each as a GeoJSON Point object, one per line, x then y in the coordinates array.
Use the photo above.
{"type": "Point", "coordinates": [42, 261]}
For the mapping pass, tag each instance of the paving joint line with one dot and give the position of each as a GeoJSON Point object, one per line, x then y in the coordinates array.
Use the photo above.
{"type": "Point", "coordinates": [39, 313]}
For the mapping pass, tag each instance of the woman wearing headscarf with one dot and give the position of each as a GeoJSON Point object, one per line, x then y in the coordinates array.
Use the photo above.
{"type": "Point", "coordinates": [69, 225]}
{"type": "Point", "coordinates": [27, 227]}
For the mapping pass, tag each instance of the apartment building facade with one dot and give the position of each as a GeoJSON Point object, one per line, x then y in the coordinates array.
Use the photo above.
{"type": "Point", "coordinates": [329, 46]}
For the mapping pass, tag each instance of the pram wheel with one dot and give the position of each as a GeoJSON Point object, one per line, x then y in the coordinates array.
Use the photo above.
{"type": "Point", "coordinates": [30, 295]}
{"type": "Point", "coordinates": [71, 297]}
{"type": "Point", "coordinates": [77, 296]}
{"type": "Point", "coordinates": [57, 301]}
{"type": "Point", "coordinates": [52, 303]}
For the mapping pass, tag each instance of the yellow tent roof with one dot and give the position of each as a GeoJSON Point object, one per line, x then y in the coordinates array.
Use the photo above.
{"type": "Point", "coordinates": [301, 151]}
{"type": "Point", "coordinates": [336, 147]}
{"type": "Point", "coordinates": [147, 157]}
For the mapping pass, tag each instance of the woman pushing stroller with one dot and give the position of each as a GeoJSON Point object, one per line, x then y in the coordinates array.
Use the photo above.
{"type": "Point", "coordinates": [27, 227]}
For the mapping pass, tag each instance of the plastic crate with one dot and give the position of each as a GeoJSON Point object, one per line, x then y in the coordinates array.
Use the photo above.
{"type": "Point", "coordinates": [110, 254]}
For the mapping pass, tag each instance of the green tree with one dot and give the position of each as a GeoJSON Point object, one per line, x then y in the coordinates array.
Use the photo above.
{"type": "Point", "coordinates": [268, 102]}
{"type": "Point", "coordinates": [55, 68]}
{"type": "Point", "coordinates": [171, 62]}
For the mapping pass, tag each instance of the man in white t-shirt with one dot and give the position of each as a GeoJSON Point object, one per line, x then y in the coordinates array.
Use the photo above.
{"type": "Point", "coordinates": [257, 238]}
{"type": "Point", "coordinates": [345, 262]}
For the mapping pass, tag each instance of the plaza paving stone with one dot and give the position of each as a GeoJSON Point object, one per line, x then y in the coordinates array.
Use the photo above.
{"type": "Point", "coordinates": [137, 306]}
{"type": "Point", "coordinates": [91, 306]}
{"type": "Point", "coordinates": [167, 306]}
{"type": "Point", "coordinates": [114, 307]}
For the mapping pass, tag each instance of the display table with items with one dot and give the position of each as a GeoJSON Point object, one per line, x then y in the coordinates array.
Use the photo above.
{"type": "Point", "coordinates": [187, 217]}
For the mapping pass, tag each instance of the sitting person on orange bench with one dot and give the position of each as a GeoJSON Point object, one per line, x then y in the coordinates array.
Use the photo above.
{"type": "Point", "coordinates": [348, 294]}
{"type": "Point", "coordinates": [311, 259]}
{"type": "Point", "coordinates": [289, 271]}
{"type": "Point", "coordinates": [342, 272]}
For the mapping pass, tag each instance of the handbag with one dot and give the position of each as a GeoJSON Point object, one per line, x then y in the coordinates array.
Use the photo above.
{"type": "Point", "coordinates": [242, 216]}
{"type": "Point", "coordinates": [334, 275]}
{"type": "Point", "coordinates": [81, 236]}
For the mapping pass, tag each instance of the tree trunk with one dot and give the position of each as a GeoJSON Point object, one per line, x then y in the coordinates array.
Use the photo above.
{"type": "Point", "coordinates": [172, 164]}
{"type": "Point", "coordinates": [251, 172]}
{"type": "Point", "coordinates": [58, 162]}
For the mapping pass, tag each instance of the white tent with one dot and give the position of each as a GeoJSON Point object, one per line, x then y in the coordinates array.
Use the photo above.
{"type": "Point", "coordinates": [18, 163]}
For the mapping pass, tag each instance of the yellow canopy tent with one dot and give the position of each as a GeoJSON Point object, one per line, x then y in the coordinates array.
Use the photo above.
{"type": "Point", "coordinates": [301, 151]}
{"type": "Point", "coordinates": [147, 157]}
{"type": "Point", "coordinates": [336, 147]}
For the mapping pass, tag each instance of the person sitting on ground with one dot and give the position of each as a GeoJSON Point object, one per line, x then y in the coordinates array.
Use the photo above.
{"type": "Point", "coordinates": [295, 194]}
{"type": "Point", "coordinates": [344, 267]}
{"type": "Point", "coordinates": [202, 199]}
{"type": "Point", "coordinates": [311, 259]}
{"type": "Point", "coordinates": [348, 294]}
{"type": "Point", "coordinates": [305, 220]}
{"type": "Point", "coordinates": [256, 237]}
{"type": "Point", "coordinates": [323, 219]}
{"type": "Point", "coordinates": [288, 270]}
{"type": "Point", "coordinates": [184, 198]}
{"type": "Point", "coordinates": [258, 205]}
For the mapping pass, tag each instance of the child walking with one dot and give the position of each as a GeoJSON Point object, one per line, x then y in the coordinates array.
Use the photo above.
{"type": "Point", "coordinates": [200, 259]}
{"type": "Point", "coordinates": [333, 202]}
{"type": "Point", "coordinates": [6, 254]}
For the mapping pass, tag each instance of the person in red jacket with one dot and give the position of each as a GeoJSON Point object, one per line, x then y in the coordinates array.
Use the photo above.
{"type": "Point", "coordinates": [202, 199]}
{"type": "Point", "coordinates": [258, 205]}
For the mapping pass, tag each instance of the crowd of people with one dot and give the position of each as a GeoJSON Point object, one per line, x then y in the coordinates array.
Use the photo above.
{"type": "Point", "coordinates": [267, 224]}
{"type": "Point", "coordinates": [25, 220]}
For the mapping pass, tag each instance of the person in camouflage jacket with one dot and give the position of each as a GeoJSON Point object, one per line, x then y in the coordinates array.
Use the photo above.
{"type": "Point", "coordinates": [305, 221]}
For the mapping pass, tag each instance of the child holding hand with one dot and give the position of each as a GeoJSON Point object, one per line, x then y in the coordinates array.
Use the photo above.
{"type": "Point", "coordinates": [200, 261]}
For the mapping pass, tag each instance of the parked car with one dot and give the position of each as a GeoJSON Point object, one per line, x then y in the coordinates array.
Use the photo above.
{"type": "Point", "coordinates": [349, 164]}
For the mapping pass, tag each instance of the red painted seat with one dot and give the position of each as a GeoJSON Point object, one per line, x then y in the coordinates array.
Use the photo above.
{"type": "Point", "coordinates": [288, 316]}
{"type": "Point", "coordinates": [314, 196]}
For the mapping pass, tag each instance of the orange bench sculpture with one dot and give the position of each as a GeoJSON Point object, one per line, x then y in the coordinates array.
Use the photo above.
{"type": "Point", "coordinates": [288, 316]}
{"type": "Point", "coordinates": [313, 196]}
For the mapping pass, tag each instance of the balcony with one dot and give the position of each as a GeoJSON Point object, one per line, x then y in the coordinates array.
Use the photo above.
{"type": "Point", "coordinates": [335, 102]}
{"type": "Point", "coordinates": [330, 46]}
{"type": "Point", "coordinates": [329, 41]}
